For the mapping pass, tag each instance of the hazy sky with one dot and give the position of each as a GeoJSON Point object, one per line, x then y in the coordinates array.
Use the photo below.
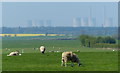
{"type": "Point", "coordinates": [16, 14]}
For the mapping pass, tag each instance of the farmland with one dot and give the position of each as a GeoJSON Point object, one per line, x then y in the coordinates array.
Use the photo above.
{"type": "Point", "coordinates": [92, 59]}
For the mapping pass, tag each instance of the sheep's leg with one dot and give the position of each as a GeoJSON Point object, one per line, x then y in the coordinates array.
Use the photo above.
{"type": "Point", "coordinates": [42, 52]}
{"type": "Point", "coordinates": [78, 61]}
{"type": "Point", "coordinates": [79, 64]}
{"type": "Point", "coordinates": [62, 64]}
{"type": "Point", "coordinates": [65, 64]}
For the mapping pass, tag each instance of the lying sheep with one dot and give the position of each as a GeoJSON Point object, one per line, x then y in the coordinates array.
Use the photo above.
{"type": "Point", "coordinates": [42, 49]}
{"type": "Point", "coordinates": [69, 56]}
{"type": "Point", "coordinates": [16, 53]}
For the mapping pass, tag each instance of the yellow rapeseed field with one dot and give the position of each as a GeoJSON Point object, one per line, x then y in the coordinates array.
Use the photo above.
{"type": "Point", "coordinates": [20, 35]}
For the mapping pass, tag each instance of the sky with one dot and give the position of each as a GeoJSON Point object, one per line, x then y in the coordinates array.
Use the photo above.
{"type": "Point", "coordinates": [15, 14]}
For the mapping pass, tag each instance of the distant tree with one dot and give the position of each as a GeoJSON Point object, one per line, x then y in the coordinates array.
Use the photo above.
{"type": "Point", "coordinates": [110, 40]}
{"type": "Point", "coordinates": [91, 41]}
{"type": "Point", "coordinates": [87, 40]}
{"type": "Point", "coordinates": [87, 43]}
{"type": "Point", "coordinates": [83, 39]}
{"type": "Point", "coordinates": [100, 40]}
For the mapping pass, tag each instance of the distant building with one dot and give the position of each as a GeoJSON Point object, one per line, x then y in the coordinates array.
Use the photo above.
{"type": "Point", "coordinates": [77, 22]}
{"type": "Point", "coordinates": [32, 23]}
{"type": "Point", "coordinates": [74, 22]}
{"type": "Point", "coordinates": [84, 22]}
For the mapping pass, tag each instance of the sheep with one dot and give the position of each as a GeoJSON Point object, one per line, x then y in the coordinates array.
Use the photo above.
{"type": "Point", "coordinates": [42, 49]}
{"type": "Point", "coordinates": [69, 56]}
{"type": "Point", "coordinates": [15, 53]}
{"type": "Point", "coordinates": [78, 50]}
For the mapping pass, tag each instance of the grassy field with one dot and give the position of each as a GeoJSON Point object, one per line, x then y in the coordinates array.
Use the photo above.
{"type": "Point", "coordinates": [92, 59]}
{"type": "Point", "coordinates": [56, 45]}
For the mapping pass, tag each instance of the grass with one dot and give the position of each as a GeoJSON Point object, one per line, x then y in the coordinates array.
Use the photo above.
{"type": "Point", "coordinates": [38, 43]}
{"type": "Point", "coordinates": [56, 45]}
{"type": "Point", "coordinates": [91, 61]}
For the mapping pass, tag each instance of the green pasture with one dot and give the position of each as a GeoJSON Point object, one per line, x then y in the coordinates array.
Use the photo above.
{"type": "Point", "coordinates": [92, 59]}
{"type": "Point", "coordinates": [51, 45]}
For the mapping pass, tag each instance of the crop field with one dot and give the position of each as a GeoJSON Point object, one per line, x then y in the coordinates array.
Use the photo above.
{"type": "Point", "coordinates": [92, 59]}
{"type": "Point", "coordinates": [23, 35]}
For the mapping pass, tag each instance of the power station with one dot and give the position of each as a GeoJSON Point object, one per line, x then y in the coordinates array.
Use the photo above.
{"type": "Point", "coordinates": [91, 21]}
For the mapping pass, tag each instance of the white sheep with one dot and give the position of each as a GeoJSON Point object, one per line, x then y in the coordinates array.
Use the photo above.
{"type": "Point", "coordinates": [16, 53]}
{"type": "Point", "coordinates": [78, 50]}
{"type": "Point", "coordinates": [42, 49]}
{"type": "Point", "coordinates": [69, 56]}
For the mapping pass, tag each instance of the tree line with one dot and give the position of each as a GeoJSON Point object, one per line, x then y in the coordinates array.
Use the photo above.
{"type": "Point", "coordinates": [91, 41]}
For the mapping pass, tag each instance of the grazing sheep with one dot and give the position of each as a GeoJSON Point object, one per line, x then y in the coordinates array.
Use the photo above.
{"type": "Point", "coordinates": [42, 49]}
{"type": "Point", "coordinates": [78, 50]}
{"type": "Point", "coordinates": [69, 56]}
{"type": "Point", "coordinates": [16, 53]}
